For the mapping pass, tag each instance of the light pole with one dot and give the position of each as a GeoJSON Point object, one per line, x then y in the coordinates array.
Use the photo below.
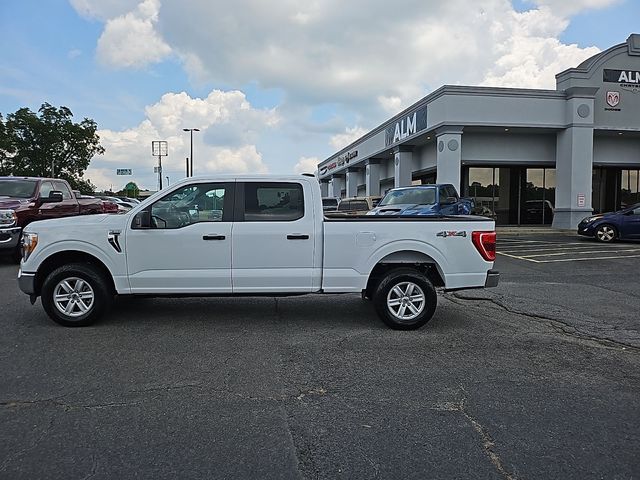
{"type": "Point", "coordinates": [191, 157]}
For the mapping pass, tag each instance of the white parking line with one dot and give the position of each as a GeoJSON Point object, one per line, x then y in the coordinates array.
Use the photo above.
{"type": "Point", "coordinates": [572, 248]}
{"type": "Point", "coordinates": [540, 251]}
{"type": "Point", "coordinates": [580, 253]}
{"type": "Point", "coordinates": [588, 258]}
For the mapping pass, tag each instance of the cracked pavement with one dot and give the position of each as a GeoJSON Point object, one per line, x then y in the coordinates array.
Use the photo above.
{"type": "Point", "coordinates": [538, 378]}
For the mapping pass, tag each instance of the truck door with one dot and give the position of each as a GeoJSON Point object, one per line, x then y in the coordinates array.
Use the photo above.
{"type": "Point", "coordinates": [187, 248]}
{"type": "Point", "coordinates": [69, 204]}
{"type": "Point", "coordinates": [49, 210]}
{"type": "Point", "coordinates": [275, 248]}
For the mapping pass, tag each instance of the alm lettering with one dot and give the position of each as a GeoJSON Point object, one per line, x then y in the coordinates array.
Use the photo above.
{"type": "Point", "coordinates": [402, 132]}
{"type": "Point", "coordinates": [628, 77]}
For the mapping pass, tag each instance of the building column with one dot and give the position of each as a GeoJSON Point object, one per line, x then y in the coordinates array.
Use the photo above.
{"type": "Point", "coordinates": [353, 175]}
{"type": "Point", "coordinates": [335, 187]}
{"type": "Point", "coordinates": [372, 178]}
{"type": "Point", "coordinates": [403, 158]}
{"type": "Point", "coordinates": [449, 156]}
{"type": "Point", "coordinates": [574, 160]}
{"type": "Point", "coordinates": [324, 188]}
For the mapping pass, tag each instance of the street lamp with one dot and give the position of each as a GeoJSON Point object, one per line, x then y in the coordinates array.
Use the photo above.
{"type": "Point", "coordinates": [191, 130]}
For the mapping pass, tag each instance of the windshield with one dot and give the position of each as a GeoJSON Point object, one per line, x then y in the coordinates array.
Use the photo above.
{"type": "Point", "coordinates": [416, 196]}
{"type": "Point", "coordinates": [329, 202]}
{"type": "Point", "coordinates": [17, 188]}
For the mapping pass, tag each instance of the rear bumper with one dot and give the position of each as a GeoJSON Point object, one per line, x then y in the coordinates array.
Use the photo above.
{"type": "Point", "coordinates": [27, 282]}
{"type": "Point", "coordinates": [493, 277]}
{"type": "Point", "coordinates": [9, 237]}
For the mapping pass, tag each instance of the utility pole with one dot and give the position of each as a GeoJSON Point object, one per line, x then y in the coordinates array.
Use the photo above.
{"type": "Point", "coordinates": [191, 130]}
{"type": "Point", "coordinates": [159, 149]}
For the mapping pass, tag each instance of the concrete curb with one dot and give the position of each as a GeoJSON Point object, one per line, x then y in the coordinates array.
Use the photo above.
{"type": "Point", "coordinates": [522, 231]}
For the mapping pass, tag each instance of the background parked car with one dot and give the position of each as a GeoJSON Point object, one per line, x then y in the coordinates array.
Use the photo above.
{"type": "Point", "coordinates": [427, 200]}
{"type": "Point", "coordinates": [358, 205]}
{"type": "Point", "coordinates": [123, 207]}
{"type": "Point", "coordinates": [330, 204]}
{"type": "Point", "coordinates": [538, 212]}
{"type": "Point", "coordinates": [107, 206]}
{"type": "Point", "coordinates": [607, 227]}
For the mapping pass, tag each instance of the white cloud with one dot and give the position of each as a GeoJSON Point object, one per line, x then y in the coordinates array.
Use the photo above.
{"type": "Point", "coordinates": [306, 165]}
{"type": "Point", "coordinates": [131, 148]}
{"type": "Point", "coordinates": [130, 40]}
{"type": "Point", "coordinates": [350, 135]}
{"type": "Point", "coordinates": [350, 54]}
{"type": "Point", "coordinates": [530, 56]}
{"type": "Point", "coordinates": [567, 8]}
{"type": "Point", "coordinates": [103, 9]}
{"type": "Point", "coordinates": [74, 53]}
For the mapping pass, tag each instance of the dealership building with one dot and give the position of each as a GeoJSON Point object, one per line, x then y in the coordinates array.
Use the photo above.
{"type": "Point", "coordinates": [526, 156]}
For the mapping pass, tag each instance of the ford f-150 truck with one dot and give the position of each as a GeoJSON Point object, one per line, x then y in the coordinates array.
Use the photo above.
{"type": "Point", "coordinates": [26, 199]}
{"type": "Point", "coordinates": [252, 235]}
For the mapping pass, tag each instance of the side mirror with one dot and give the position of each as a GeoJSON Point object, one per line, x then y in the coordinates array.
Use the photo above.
{"type": "Point", "coordinates": [142, 220]}
{"type": "Point", "coordinates": [449, 201]}
{"type": "Point", "coordinates": [55, 196]}
{"type": "Point", "coordinates": [76, 193]}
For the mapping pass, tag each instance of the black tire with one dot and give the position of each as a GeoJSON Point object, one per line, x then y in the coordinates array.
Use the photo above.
{"type": "Point", "coordinates": [420, 312]}
{"type": "Point", "coordinates": [606, 233]}
{"type": "Point", "coordinates": [101, 294]}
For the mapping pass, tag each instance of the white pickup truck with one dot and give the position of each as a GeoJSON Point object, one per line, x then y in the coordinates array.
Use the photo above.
{"type": "Point", "coordinates": [252, 235]}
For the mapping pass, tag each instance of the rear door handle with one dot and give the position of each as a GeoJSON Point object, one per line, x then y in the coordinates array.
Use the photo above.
{"type": "Point", "coordinates": [213, 237]}
{"type": "Point", "coordinates": [297, 237]}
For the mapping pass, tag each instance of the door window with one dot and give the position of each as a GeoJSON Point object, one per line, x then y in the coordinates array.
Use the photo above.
{"type": "Point", "coordinates": [45, 189]}
{"type": "Point", "coordinates": [203, 202]}
{"type": "Point", "coordinates": [273, 202]}
{"type": "Point", "coordinates": [62, 187]}
{"type": "Point", "coordinates": [451, 191]}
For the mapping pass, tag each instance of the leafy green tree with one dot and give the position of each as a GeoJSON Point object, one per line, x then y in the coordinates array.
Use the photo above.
{"type": "Point", "coordinates": [48, 144]}
{"type": "Point", "coordinates": [130, 190]}
{"type": "Point", "coordinates": [6, 150]}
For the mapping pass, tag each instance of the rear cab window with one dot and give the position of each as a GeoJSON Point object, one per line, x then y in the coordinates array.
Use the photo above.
{"type": "Point", "coordinates": [273, 202]}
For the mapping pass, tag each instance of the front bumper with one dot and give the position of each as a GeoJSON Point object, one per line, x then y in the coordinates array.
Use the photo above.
{"type": "Point", "coordinates": [9, 237]}
{"type": "Point", "coordinates": [27, 282]}
{"type": "Point", "coordinates": [493, 277]}
{"type": "Point", "coordinates": [587, 229]}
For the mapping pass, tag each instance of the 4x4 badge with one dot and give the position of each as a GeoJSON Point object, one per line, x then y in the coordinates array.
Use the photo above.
{"type": "Point", "coordinates": [451, 233]}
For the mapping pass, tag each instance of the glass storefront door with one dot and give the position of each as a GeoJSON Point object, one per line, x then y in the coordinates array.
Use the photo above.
{"type": "Point", "coordinates": [629, 188]}
{"type": "Point", "coordinates": [512, 195]}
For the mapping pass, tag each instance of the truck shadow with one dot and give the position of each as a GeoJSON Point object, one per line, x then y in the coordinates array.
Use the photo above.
{"type": "Point", "coordinates": [319, 310]}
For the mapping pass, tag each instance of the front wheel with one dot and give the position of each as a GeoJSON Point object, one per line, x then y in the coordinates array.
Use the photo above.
{"type": "Point", "coordinates": [606, 233]}
{"type": "Point", "coordinates": [76, 295]}
{"type": "Point", "coordinates": [405, 299]}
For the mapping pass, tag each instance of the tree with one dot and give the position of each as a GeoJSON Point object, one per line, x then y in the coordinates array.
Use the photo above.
{"type": "Point", "coordinates": [130, 190]}
{"type": "Point", "coordinates": [47, 144]}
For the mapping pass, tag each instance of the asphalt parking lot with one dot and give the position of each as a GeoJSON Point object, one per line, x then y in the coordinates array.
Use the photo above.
{"type": "Point", "coordinates": [537, 378]}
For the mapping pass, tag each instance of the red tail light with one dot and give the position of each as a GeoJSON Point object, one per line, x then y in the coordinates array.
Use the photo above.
{"type": "Point", "coordinates": [485, 243]}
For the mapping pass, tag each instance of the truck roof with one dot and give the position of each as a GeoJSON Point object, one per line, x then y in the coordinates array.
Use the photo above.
{"type": "Point", "coordinates": [11, 177]}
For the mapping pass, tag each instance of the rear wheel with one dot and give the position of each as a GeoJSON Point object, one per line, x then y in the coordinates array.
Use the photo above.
{"type": "Point", "coordinates": [76, 295]}
{"type": "Point", "coordinates": [405, 299]}
{"type": "Point", "coordinates": [606, 233]}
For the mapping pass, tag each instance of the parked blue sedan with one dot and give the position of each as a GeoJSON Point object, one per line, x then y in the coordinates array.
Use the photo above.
{"type": "Point", "coordinates": [607, 227]}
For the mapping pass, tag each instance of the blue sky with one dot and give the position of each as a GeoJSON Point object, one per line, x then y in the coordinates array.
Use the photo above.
{"type": "Point", "coordinates": [306, 81]}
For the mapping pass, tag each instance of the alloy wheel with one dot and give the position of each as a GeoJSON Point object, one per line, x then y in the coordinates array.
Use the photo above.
{"type": "Point", "coordinates": [406, 301]}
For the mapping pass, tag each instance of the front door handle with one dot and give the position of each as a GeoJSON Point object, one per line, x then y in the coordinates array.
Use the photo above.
{"type": "Point", "coordinates": [213, 237]}
{"type": "Point", "coordinates": [297, 237]}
